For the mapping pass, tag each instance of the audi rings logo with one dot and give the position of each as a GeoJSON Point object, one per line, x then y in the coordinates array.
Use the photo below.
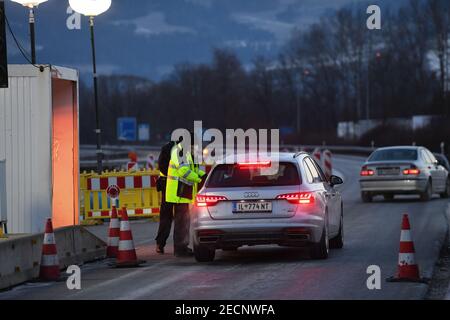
{"type": "Point", "coordinates": [251, 195]}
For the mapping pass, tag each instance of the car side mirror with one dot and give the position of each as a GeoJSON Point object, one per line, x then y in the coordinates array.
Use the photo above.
{"type": "Point", "coordinates": [335, 180]}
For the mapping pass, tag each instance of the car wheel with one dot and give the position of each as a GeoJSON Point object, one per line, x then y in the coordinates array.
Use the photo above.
{"type": "Point", "coordinates": [388, 197]}
{"type": "Point", "coordinates": [204, 253]}
{"type": "Point", "coordinates": [320, 250]}
{"type": "Point", "coordinates": [338, 241]}
{"type": "Point", "coordinates": [366, 197]}
{"type": "Point", "coordinates": [446, 193]}
{"type": "Point", "coordinates": [428, 193]}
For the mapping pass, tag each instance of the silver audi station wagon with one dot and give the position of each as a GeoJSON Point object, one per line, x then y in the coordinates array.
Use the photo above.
{"type": "Point", "coordinates": [240, 204]}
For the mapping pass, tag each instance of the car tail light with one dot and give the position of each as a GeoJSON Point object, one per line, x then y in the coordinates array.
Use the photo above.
{"type": "Point", "coordinates": [255, 164]}
{"type": "Point", "coordinates": [365, 172]}
{"type": "Point", "coordinates": [208, 201]}
{"type": "Point", "coordinates": [411, 172]}
{"type": "Point", "coordinates": [298, 197]}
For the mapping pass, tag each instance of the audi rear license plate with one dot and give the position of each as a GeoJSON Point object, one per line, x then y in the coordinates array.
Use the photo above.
{"type": "Point", "coordinates": [252, 206]}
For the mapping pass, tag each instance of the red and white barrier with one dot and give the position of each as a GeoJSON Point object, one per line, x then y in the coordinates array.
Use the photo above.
{"type": "Point", "coordinates": [317, 155]}
{"type": "Point", "coordinates": [327, 163]}
{"type": "Point", "coordinates": [132, 166]}
{"type": "Point", "coordinates": [136, 212]}
{"type": "Point", "coordinates": [99, 184]}
{"type": "Point", "coordinates": [49, 269]}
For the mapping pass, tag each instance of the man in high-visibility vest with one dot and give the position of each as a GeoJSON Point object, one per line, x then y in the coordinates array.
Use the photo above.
{"type": "Point", "coordinates": [183, 177]}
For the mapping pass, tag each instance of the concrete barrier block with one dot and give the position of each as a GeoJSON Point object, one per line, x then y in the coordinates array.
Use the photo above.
{"type": "Point", "coordinates": [20, 256]}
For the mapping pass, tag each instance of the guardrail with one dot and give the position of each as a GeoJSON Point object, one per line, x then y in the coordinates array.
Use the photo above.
{"type": "Point", "coordinates": [366, 151]}
{"type": "Point", "coordinates": [116, 156]}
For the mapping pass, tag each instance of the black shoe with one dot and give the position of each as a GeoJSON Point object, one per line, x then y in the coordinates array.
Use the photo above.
{"type": "Point", "coordinates": [184, 253]}
{"type": "Point", "coordinates": [159, 249]}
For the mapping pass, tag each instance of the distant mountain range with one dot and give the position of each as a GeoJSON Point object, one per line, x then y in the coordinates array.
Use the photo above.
{"type": "Point", "coordinates": [147, 38]}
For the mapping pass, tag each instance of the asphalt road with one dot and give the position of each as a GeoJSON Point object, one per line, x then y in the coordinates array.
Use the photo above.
{"type": "Point", "coordinates": [372, 233]}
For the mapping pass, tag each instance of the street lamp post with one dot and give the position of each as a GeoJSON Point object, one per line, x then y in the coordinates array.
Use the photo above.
{"type": "Point", "coordinates": [305, 73]}
{"type": "Point", "coordinates": [91, 9]}
{"type": "Point", "coordinates": [31, 4]}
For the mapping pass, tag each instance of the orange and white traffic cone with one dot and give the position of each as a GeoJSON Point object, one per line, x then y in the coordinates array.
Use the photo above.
{"type": "Point", "coordinates": [126, 254]}
{"type": "Point", "coordinates": [408, 270]}
{"type": "Point", "coordinates": [49, 269]}
{"type": "Point", "coordinates": [113, 234]}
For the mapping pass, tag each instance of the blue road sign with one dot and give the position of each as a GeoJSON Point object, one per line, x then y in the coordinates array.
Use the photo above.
{"type": "Point", "coordinates": [144, 132]}
{"type": "Point", "coordinates": [126, 129]}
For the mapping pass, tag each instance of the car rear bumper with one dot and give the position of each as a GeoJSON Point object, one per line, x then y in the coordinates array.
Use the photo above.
{"type": "Point", "coordinates": [393, 185]}
{"type": "Point", "coordinates": [234, 233]}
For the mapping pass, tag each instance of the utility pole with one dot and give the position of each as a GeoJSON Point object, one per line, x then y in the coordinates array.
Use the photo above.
{"type": "Point", "coordinates": [298, 118]}
{"type": "Point", "coordinates": [368, 91]}
{"type": "Point", "coordinates": [32, 36]}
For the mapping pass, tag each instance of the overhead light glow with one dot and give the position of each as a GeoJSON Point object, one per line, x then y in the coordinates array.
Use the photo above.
{"type": "Point", "coordinates": [90, 8]}
{"type": "Point", "coordinates": [29, 3]}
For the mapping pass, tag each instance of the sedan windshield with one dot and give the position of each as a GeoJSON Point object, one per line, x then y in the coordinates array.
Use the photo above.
{"type": "Point", "coordinates": [232, 175]}
{"type": "Point", "coordinates": [394, 154]}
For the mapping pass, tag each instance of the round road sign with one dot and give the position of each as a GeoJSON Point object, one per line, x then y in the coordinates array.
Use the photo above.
{"type": "Point", "coordinates": [113, 191]}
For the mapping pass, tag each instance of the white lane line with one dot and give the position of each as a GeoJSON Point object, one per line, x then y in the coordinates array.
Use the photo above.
{"type": "Point", "coordinates": [118, 279]}
{"type": "Point", "coordinates": [149, 289]}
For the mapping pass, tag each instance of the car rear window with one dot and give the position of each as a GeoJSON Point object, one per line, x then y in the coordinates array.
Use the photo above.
{"type": "Point", "coordinates": [394, 154]}
{"type": "Point", "coordinates": [231, 175]}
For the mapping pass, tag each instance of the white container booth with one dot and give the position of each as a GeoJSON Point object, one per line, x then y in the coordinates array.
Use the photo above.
{"type": "Point", "coordinates": [39, 147]}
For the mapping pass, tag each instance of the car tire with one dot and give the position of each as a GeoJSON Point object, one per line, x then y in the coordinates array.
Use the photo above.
{"type": "Point", "coordinates": [446, 193]}
{"type": "Point", "coordinates": [366, 197]}
{"type": "Point", "coordinates": [428, 193]}
{"type": "Point", "coordinates": [204, 253]}
{"type": "Point", "coordinates": [388, 197]}
{"type": "Point", "coordinates": [320, 250]}
{"type": "Point", "coordinates": [338, 241]}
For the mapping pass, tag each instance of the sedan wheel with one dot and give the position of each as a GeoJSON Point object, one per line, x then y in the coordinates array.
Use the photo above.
{"type": "Point", "coordinates": [446, 193]}
{"type": "Point", "coordinates": [428, 193]}
{"type": "Point", "coordinates": [366, 197]}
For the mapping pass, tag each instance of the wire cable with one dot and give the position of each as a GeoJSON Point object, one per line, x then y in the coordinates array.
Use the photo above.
{"type": "Point", "coordinates": [24, 53]}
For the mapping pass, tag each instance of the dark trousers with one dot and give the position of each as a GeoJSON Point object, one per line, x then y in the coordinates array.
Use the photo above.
{"type": "Point", "coordinates": [179, 213]}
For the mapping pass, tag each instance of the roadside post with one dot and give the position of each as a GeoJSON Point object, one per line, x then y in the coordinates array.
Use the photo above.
{"type": "Point", "coordinates": [317, 155]}
{"type": "Point", "coordinates": [3, 217]}
{"type": "Point", "coordinates": [113, 192]}
{"type": "Point", "coordinates": [327, 163]}
{"type": "Point", "coordinates": [114, 224]}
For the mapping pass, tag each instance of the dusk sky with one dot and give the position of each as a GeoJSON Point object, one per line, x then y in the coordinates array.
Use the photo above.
{"type": "Point", "coordinates": [147, 38]}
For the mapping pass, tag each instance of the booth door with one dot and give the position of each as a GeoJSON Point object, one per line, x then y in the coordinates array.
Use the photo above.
{"type": "Point", "coordinates": [65, 153]}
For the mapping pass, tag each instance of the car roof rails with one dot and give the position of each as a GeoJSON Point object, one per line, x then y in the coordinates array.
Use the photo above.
{"type": "Point", "coordinates": [299, 153]}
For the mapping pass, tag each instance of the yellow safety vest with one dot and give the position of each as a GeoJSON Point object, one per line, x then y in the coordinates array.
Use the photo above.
{"type": "Point", "coordinates": [188, 173]}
